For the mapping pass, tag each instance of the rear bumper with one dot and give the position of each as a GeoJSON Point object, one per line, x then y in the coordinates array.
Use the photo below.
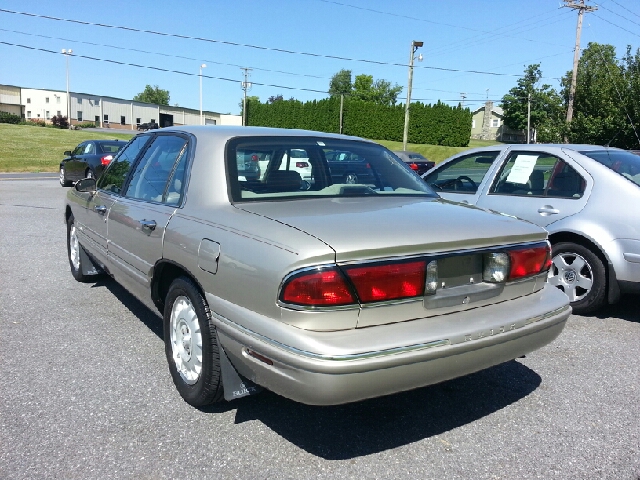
{"type": "Point", "coordinates": [476, 339]}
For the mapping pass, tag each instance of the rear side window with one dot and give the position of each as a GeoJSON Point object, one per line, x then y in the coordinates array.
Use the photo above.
{"type": "Point", "coordinates": [116, 173]}
{"type": "Point", "coordinates": [539, 175]}
{"type": "Point", "coordinates": [462, 175]}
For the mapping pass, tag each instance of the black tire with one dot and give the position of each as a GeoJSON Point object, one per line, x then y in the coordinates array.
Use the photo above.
{"type": "Point", "coordinates": [73, 253]}
{"type": "Point", "coordinates": [206, 387]}
{"type": "Point", "coordinates": [580, 273]}
{"type": "Point", "coordinates": [63, 178]}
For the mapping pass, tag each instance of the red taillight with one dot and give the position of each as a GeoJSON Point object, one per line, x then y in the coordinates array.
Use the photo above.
{"type": "Point", "coordinates": [388, 282]}
{"type": "Point", "coordinates": [529, 261]}
{"type": "Point", "coordinates": [323, 288]}
{"type": "Point", "coordinates": [254, 158]}
{"type": "Point", "coordinates": [302, 164]}
{"type": "Point", "coordinates": [413, 166]}
{"type": "Point", "coordinates": [106, 160]}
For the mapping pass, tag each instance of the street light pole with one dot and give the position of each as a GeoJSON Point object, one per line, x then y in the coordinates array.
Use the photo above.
{"type": "Point", "coordinates": [414, 46]}
{"type": "Point", "coordinates": [66, 53]}
{"type": "Point", "coordinates": [204, 65]}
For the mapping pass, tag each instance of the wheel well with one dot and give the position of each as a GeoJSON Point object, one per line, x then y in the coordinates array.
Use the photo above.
{"type": "Point", "coordinates": [580, 240]}
{"type": "Point", "coordinates": [164, 274]}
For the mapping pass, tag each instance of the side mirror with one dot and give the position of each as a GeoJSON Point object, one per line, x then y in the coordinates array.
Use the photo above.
{"type": "Point", "coordinates": [86, 185]}
{"type": "Point", "coordinates": [67, 153]}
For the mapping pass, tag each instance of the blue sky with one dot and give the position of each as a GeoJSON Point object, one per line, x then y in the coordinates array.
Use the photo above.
{"type": "Point", "coordinates": [501, 37]}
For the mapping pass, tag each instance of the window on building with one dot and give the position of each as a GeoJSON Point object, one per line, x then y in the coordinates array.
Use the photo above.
{"type": "Point", "coordinates": [97, 119]}
{"type": "Point", "coordinates": [495, 122]}
{"type": "Point", "coordinates": [153, 120]}
{"type": "Point", "coordinates": [46, 100]}
{"type": "Point", "coordinates": [28, 100]}
{"type": "Point", "coordinates": [473, 123]}
{"type": "Point", "coordinates": [28, 113]}
{"type": "Point", "coordinates": [38, 115]}
{"type": "Point", "coordinates": [122, 120]}
{"type": "Point", "coordinates": [47, 115]}
{"type": "Point", "coordinates": [138, 121]}
{"type": "Point", "coordinates": [58, 113]}
{"type": "Point", "coordinates": [106, 118]}
{"type": "Point", "coordinates": [57, 99]}
{"type": "Point", "coordinates": [79, 115]}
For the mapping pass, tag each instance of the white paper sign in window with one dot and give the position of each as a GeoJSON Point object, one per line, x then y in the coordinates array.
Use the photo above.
{"type": "Point", "coordinates": [522, 168]}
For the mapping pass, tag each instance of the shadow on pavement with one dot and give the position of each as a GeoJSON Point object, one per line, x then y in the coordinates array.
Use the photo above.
{"type": "Point", "coordinates": [375, 425]}
{"type": "Point", "coordinates": [628, 308]}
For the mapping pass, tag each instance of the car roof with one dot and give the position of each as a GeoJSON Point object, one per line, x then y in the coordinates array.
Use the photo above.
{"type": "Point", "coordinates": [221, 132]}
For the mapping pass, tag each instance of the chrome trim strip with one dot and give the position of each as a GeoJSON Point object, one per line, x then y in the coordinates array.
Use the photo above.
{"type": "Point", "coordinates": [335, 358]}
{"type": "Point", "coordinates": [364, 355]}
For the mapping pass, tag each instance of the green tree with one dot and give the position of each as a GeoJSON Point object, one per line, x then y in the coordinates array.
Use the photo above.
{"type": "Point", "coordinates": [340, 83]}
{"type": "Point", "coordinates": [606, 100]}
{"type": "Point", "coordinates": [547, 109]}
{"type": "Point", "coordinates": [364, 88]}
{"type": "Point", "coordinates": [153, 95]}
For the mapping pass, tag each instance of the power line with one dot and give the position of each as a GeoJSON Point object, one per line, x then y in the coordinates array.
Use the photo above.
{"type": "Point", "coordinates": [622, 6]}
{"type": "Point", "coordinates": [615, 25]}
{"type": "Point", "coordinates": [258, 47]}
{"type": "Point", "coordinates": [189, 74]}
{"type": "Point", "coordinates": [621, 16]}
{"type": "Point", "coordinates": [159, 53]}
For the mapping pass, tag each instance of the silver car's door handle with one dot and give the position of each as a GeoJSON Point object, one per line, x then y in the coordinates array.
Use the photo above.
{"type": "Point", "coordinates": [101, 209]}
{"type": "Point", "coordinates": [148, 225]}
{"type": "Point", "coordinates": [548, 210]}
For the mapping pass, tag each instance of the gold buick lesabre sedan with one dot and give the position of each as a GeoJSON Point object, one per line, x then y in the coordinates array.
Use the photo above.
{"type": "Point", "coordinates": [322, 292]}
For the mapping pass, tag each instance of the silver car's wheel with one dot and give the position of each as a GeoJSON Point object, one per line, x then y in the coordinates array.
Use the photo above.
{"type": "Point", "coordinates": [186, 340]}
{"type": "Point", "coordinates": [351, 178]}
{"type": "Point", "coordinates": [191, 344]}
{"type": "Point", "coordinates": [580, 274]}
{"type": "Point", "coordinates": [573, 274]}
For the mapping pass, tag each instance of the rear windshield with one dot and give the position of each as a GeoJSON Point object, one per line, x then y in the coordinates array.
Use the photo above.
{"type": "Point", "coordinates": [289, 167]}
{"type": "Point", "coordinates": [111, 147]}
{"type": "Point", "coordinates": [622, 162]}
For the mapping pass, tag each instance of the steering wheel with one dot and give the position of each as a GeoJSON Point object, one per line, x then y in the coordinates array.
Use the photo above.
{"type": "Point", "coordinates": [463, 178]}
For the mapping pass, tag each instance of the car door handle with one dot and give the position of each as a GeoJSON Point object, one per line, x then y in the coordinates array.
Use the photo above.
{"type": "Point", "coordinates": [548, 210]}
{"type": "Point", "coordinates": [101, 209]}
{"type": "Point", "coordinates": [148, 225]}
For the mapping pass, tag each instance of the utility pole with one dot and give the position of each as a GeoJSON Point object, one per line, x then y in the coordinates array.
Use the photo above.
{"type": "Point", "coordinates": [245, 86]}
{"type": "Point", "coordinates": [405, 135]}
{"type": "Point", "coordinates": [581, 7]}
{"type": "Point", "coordinates": [464, 97]}
{"type": "Point", "coordinates": [528, 118]}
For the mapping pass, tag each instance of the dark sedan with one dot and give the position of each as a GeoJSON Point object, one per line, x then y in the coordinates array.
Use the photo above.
{"type": "Point", "coordinates": [415, 161]}
{"type": "Point", "coordinates": [88, 160]}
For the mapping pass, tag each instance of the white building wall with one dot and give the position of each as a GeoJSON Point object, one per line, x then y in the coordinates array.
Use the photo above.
{"type": "Point", "coordinates": [44, 104]}
{"type": "Point", "coordinates": [88, 105]}
{"type": "Point", "coordinates": [145, 112]}
{"type": "Point", "coordinates": [231, 120]}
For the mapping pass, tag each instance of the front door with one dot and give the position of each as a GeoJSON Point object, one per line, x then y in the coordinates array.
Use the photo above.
{"type": "Point", "coordinates": [138, 220]}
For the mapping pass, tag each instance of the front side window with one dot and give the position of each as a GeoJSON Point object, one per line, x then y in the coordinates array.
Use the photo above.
{"type": "Point", "coordinates": [116, 173]}
{"type": "Point", "coordinates": [539, 175]}
{"type": "Point", "coordinates": [158, 166]}
{"type": "Point", "coordinates": [79, 150]}
{"type": "Point", "coordinates": [275, 168]}
{"type": "Point", "coordinates": [462, 175]}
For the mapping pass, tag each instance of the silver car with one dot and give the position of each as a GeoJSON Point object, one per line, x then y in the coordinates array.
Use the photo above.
{"type": "Point", "coordinates": [322, 292]}
{"type": "Point", "coordinates": [586, 196]}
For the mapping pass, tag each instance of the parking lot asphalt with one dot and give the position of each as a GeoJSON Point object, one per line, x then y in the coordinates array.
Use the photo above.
{"type": "Point", "coordinates": [85, 393]}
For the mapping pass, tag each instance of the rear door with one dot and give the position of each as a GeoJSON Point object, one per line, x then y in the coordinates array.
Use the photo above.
{"type": "Point", "coordinates": [75, 166]}
{"type": "Point", "coordinates": [538, 186]}
{"type": "Point", "coordinates": [137, 221]}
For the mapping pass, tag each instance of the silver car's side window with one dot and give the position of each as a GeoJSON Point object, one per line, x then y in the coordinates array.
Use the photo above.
{"type": "Point", "coordinates": [462, 175]}
{"type": "Point", "coordinates": [116, 173]}
{"type": "Point", "coordinates": [150, 179]}
{"type": "Point", "coordinates": [538, 175]}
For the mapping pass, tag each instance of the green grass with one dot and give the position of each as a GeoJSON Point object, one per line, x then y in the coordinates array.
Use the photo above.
{"type": "Point", "coordinates": [25, 148]}
{"type": "Point", "coordinates": [436, 153]}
